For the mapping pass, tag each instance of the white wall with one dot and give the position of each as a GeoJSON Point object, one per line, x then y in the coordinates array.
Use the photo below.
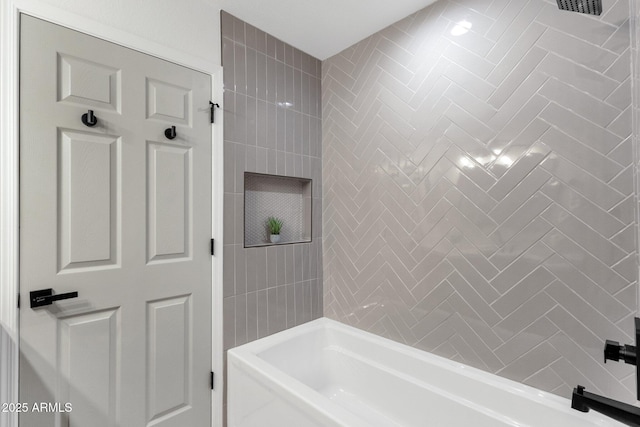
{"type": "Point", "coordinates": [191, 26]}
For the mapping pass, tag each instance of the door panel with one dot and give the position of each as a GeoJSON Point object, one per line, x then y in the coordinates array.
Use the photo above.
{"type": "Point", "coordinates": [169, 194]}
{"type": "Point", "coordinates": [122, 215]}
{"type": "Point", "coordinates": [168, 103]}
{"type": "Point", "coordinates": [88, 83]}
{"type": "Point", "coordinates": [89, 199]}
{"type": "Point", "coordinates": [89, 365]}
{"type": "Point", "coordinates": [169, 356]}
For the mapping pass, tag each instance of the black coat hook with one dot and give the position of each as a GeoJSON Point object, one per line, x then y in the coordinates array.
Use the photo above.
{"type": "Point", "coordinates": [89, 119]}
{"type": "Point", "coordinates": [170, 133]}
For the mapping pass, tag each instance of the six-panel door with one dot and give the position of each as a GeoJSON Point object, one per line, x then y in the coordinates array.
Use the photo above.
{"type": "Point", "coordinates": [121, 214]}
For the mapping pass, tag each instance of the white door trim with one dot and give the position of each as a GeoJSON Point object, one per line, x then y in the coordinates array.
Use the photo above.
{"type": "Point", "coordinates": [9, 186]}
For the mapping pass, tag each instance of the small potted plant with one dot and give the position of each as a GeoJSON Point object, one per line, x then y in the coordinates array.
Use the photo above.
{"type": "Point", "coordinates": [274, 225]}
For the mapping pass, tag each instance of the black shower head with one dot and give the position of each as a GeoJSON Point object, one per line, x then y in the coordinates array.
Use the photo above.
{"type": "Point", "coordinates": [592, 7]}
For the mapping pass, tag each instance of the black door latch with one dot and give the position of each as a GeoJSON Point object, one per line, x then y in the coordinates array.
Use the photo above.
{"type": "Point", "coordinates": [46, 297]}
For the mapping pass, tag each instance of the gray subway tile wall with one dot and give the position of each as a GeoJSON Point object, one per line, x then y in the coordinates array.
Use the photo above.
{"type": "Point", "coordinates": [272, 124]}
{"type": "Point", "coordinates": [478, 188]}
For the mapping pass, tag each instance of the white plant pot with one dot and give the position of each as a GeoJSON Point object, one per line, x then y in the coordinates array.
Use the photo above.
{"type": "Point", "coordinates": [275, 238]}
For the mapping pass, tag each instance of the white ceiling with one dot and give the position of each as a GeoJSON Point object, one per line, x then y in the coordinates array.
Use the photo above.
{"type": "Point", "coordinates": [322, 28]}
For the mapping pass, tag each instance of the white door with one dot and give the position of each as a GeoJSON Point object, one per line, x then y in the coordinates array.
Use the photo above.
{"type": "Point", "coordinates": [120, 213]}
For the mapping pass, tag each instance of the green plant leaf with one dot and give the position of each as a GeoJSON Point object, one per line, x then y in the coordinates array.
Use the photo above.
{"type": "Point", "coordinates": [274, 225]}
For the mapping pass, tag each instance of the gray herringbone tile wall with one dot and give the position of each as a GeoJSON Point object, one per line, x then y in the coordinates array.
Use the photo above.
{"type": "Point", "coordinates": [272, 125]}
{"type": "Point", "coordinates": [479, 189]}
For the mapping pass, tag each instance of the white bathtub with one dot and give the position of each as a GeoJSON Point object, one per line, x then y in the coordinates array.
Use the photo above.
{"type": "Point", "coordinates": [324, 373]}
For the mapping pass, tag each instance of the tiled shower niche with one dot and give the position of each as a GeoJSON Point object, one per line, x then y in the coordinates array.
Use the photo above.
{"type": "Point", "coordinates": [286, 198]}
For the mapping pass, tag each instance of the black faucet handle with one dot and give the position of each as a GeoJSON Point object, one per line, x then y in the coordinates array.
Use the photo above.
{"type": "Point", "coordinates": [612, 350]}
{"type": "Point", "coordinates": [629, 353]}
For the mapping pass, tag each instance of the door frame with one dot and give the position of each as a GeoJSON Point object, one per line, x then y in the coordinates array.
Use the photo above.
{"type": "Point", "coordinates": [10, 11]}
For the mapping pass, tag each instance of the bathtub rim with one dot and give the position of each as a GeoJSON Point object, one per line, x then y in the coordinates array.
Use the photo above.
{"type": "Point", "coordinates": [247, 355]}
{"type": "Point", "coordinates": [286, 387]}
